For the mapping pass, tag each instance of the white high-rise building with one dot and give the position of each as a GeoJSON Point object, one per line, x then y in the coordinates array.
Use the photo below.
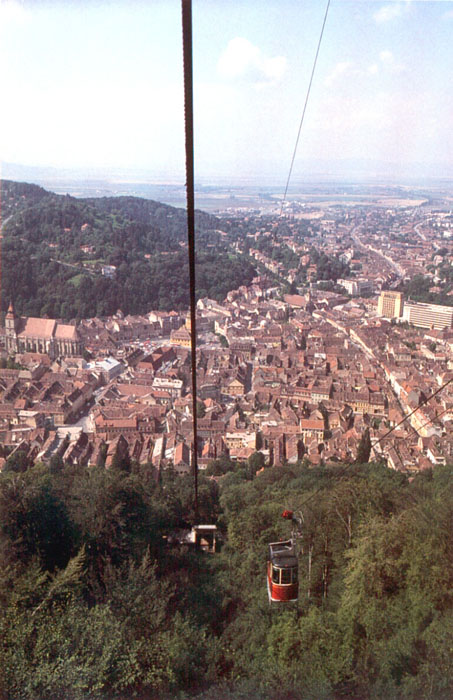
{"type": "Point", "coordinates": [428, 315]}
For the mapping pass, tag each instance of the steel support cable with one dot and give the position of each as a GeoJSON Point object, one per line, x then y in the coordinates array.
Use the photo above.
{"type": "Point", "coordinates": [305, 105]}
{"type": "Point", "coordinates": [186, 6]}
{"type": "Point", "coordinates": [429, 422]}
{"type": "Point", "coordinates": [343, 471]}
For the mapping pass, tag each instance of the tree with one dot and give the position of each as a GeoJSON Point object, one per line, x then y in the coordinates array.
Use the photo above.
{"type": "Point", "coordinates": [201, 409]}
{"type": "Point", "coordinates": [222, 340]}
{"type": "Point", "coordinates": [217, 467]}
{"type": "Point", "coordinates": [36, 523]}
{"type": "Point", "coordinates": [17, 462]}
{"type": "Point", "coordinates": [56, 464]}
{"type": "Point", "coordinates": [364, 448]}
{"type": "Point", "coordinates": [122, 461]}
{"type": "Point", "coordinates": [256, 461]}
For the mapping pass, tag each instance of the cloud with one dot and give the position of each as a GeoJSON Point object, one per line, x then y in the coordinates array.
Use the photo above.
{"type": "Point", "coordinates": [12, 11]}
{"type": "Point", "coordinates": [388, 60]}
{"type": "Point", "coordinates": [244, 61]}
{"type": "Point", "coordinates": [386, 57]}
{"type": "Point", "coordinates": [350, 70]}
{"type": "Point", "coordinates": [388, 12]}
{"type": "Point", "coordinates": [340, 69]}
{"type": "Point", "coordinates": [448, 14]}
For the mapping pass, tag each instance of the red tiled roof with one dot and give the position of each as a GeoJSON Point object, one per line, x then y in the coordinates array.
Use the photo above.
{"type": "Point", "coordinates": [65, 332]}
{"type": "Point", "coordinates": [39, 328]}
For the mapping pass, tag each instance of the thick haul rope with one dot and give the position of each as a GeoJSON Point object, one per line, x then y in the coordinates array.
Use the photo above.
{"type": "Point", "coordinates": [188, 121]}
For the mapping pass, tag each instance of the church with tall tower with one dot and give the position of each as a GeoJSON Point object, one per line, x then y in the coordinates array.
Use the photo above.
{"type": "Point", "coordinates": [41, 335]}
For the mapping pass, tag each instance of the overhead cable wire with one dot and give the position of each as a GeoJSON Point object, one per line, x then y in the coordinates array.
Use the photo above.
{"type": "Point", "coordinates": [305, 105]}
{"type": "Point", "coordinates": [343, 471]}
{"type": "Point", "coordinates": [428, 422]}
{"type": "Point", "coordinates": [186, 6]}
{"type": "Point", "coordinates": [420, 405]}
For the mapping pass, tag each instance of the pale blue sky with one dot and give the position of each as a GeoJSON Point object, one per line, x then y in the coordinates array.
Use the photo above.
{"type": "Point", "coordinates": [99, 84]}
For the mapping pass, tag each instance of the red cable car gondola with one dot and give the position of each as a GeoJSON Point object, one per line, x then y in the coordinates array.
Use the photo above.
{"type": "Point", "coordinates": [282, 570]}
{"type": "Point", "coordinates": [282, 567]}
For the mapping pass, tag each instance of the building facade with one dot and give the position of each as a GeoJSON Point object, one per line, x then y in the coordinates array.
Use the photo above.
{"type": "Point", "coordinates": [428, 315]}
{"type": "Point", "coordinates": [41, 335]}
{"type": "Point", "coordinates": [390, 304]}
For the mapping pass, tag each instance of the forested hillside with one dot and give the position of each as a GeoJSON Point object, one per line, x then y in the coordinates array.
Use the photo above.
{"type": "Point", "coordinates": [18, 195]}
{"type": "Point", "coordinates": [55, 247]}
{"type": "Point", "coordinates": [94, 604]}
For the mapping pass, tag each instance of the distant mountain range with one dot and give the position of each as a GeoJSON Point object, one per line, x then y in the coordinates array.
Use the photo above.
{"type": "Point", "coordinates": [103, 181]}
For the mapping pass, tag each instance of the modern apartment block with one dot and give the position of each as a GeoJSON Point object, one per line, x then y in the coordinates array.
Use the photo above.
{"type": "Point", "coordinates": [428, 315]}
{"type": "Point", "coordinates": [356, 287]}
{"type": "Point", "coordinates": [390, 304]}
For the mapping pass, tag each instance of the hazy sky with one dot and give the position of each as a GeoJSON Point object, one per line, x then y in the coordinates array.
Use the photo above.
{"type": "Point", "coordinates": [96, 83]}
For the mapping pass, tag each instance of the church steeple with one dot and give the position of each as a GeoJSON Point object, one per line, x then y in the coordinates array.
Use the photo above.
{"type": "Point", "coordinates": [11, 328]}
{"type": "Point", "coordinates": [10, 313]}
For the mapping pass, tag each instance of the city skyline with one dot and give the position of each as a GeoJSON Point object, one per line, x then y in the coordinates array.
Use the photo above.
{"type": "Point", "coordinates": [99, 86]}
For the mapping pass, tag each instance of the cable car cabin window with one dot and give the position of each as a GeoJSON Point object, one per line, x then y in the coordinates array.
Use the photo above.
{"type": "Point", "coordinates": [286, 576]}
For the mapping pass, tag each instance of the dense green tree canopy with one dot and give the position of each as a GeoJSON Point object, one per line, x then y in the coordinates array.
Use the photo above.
{"type": "Point", "coordinates": [58, 246]}
{"type": "Point", "coordinates": [94, 604]}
